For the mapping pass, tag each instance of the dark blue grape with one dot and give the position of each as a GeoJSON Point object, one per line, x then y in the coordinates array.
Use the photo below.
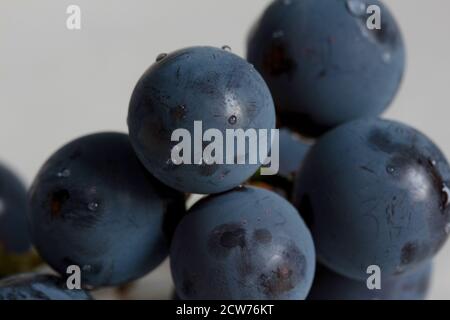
{"type": "Point", "coordinates": [322, 63]}
{"type": "Point", "coordinates": [328, 285]}
{"type": "Point", "coordinates": [16, 254]}
{"type": "Point", "coordinates": [248, 243]}
{"type": "Point", "coordinates": [197, 84]}
{"type": "Point", "coordinates": [94, 205]}
{"type": "Point", "coordinates": [31, 286]}
{"type": "Point", "coordinates": [14, 236]}
{"type": "Point", "coordinates": [374, 192]}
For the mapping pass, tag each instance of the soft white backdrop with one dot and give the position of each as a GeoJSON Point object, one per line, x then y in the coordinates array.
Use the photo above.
{"type": "Point", "coordinates": [57, 84]}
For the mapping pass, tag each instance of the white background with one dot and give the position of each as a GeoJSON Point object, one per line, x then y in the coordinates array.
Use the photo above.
{"type": "Point", "coordinates": [56, 85]}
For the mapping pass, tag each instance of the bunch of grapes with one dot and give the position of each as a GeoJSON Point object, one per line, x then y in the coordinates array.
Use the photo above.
{"type": "Point", "coordinates": [358, 208]}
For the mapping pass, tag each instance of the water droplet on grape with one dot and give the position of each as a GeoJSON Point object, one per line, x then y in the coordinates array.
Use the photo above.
{"type": "Point", "coordinates": [87, 267]}
{"type": "Point", "coordinates": [287, 2]}
{"type": "Point", "coordinates": [386, 57]}
{"type": "Point", "coordinates": [400, 269]}
{"type": "Point", "coordinates": [179, 112]}
{"type": "Point", "coordinates": [356, 7]}
{"type": "Point", "coordinates": [445, 196]}
{"type": "Point", "coordinates": [161, 56]}
{"type": "Point", "coordinates": [390, 169]}
{"type": "Point", "coordinates": [64, 173]}
{"type": "Point", "coordinates": [226, 48]}
{"type": "Point", "coordinates": [232, 120]}
{"type": "Point", "coordinates": [278, 34]}
{"type": "Point", "coordinates": [93, 206]}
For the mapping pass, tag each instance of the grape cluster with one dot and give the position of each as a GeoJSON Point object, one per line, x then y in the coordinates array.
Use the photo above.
{"type": "Point", "coordinates": [352, 191]}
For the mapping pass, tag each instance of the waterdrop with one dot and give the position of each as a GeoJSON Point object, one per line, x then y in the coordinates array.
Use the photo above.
{"type": "Point", "coordinates": [390, 169]}
{"type": "Point", "coordinates": [400, 269]}
{"type": "Point", "coordinates": [87, 267]}
{"type": "Point", "coordinates": [386, 57]}
{"type": "Point", "coordinates": [64, 173]}
{"type": "Point", "coordinates": [287, 2]}
{"type": "Point", "coordinates": [278, 34]}
{"type": "Point", "coordinates": [356, 7]}
{"type": "Point", "coordinates": [445, 196]}
{"type": "Point", "coordinates": [161, 56]}
{"type": "Point", "coordinates": [93, 206]}
{"type": "Point", "coordinates": [232, 120]}
{"type": "Point", "coordinates": [226, 48]}
{"type": "Point", "coordinates": [179, 112]}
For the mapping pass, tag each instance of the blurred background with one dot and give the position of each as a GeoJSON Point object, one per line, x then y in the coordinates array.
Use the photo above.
{"type": "Point", "coordinates": [57, 84]}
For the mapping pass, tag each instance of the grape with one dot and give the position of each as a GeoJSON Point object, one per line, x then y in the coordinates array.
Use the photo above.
{"type": "Point", "coordinates": [205, 84]}
{"type": "Point", "coordinates": [374, 192]}
{"type": "Point", "coordinates": [95, 206]}
{"type": "Point", "coordinates": [248, 243]}
{"type": "Point", "coordinates": [322, 63]}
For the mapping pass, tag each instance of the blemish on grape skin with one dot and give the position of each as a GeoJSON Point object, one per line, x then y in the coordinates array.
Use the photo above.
{"type": "Point", "coordinates": [179, 112]}
{"type": "Point", "coordinates": [262, 236]}
{"type": "Point", "coordinates": [408, 253]}
{"type": "Point", "coordinates": [277, 61]}
{"type": "Point", "coordinates": [226, 237]}
{"type": "Point", "coordinates": [285, 274]}
{"type": "Point", "coordinates": [57, 201]}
